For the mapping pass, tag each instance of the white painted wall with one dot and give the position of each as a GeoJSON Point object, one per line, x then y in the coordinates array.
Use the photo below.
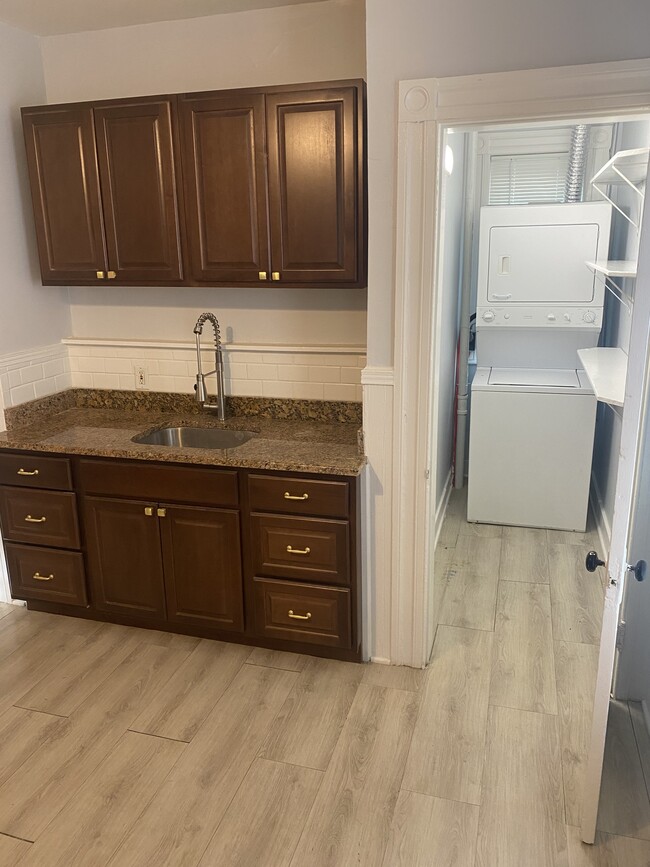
{"type": "Point", "coordinates": [452, 251]}
{"type": "Point", "coordinates": [616, 332]}
{"type": "Point", "coordinates": [310, 42]}
{"type": "Point", "coordinates": [420, 39]}
{"type": "Point", "coordinates": [30, 315]}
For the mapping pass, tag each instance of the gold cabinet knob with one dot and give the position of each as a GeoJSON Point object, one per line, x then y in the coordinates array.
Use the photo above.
{"type": "Point", "coordinates": [162, 513]}
{"type": "Point", "coordinates": [100, 275]}
{"type": "Point", "coordinates": [112, 275]}
{"type": "Point", "coordinates": [275, 275]}
{"type": "Point", "coordinates": [148, 510]}
{"type": "Point", "coordinates": [262, 275]}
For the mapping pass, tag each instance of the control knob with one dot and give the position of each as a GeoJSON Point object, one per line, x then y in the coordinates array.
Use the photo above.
{"type": "Point", "coordinates": [488, 316]}
{"type": "Point", "coordinates": [589, 316]}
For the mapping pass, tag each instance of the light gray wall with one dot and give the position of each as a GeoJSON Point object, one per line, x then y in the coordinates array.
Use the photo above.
{"type": "Point", "coordinates": [30, 315]}
{"type": "Point", "coordinates": [616, 332]}
{"type": "Point", "coordinates": [310, 42]}
{"type": "Point", "coordinates": [421, 39]}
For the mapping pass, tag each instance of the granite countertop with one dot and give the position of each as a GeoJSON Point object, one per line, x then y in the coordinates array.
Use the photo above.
{"type": "Point", "coordinates": [78, 426]}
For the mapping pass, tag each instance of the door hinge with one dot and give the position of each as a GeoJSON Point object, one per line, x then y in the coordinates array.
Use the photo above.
{"type": "Point", "coordinates": [427, 473]}
{"type": "Point", "coordinates": [620, 635]}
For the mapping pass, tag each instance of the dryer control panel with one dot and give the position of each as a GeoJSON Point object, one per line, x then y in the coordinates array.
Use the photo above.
{"type": "Point", "coordinates": [540, 317]}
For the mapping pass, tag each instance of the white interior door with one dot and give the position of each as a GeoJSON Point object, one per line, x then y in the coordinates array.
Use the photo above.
{"type": "Point", "coordinates": [631, 523]}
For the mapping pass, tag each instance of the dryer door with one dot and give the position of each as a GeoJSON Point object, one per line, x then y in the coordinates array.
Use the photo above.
{"type": "Point", "coordinates": [541, 264]}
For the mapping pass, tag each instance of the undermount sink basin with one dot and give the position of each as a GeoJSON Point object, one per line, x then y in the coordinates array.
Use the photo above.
{"type": "Point", "coordinates": [195, 437]}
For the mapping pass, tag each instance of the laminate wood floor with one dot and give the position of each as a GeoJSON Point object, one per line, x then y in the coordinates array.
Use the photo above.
{"type": "Point", "coordinates": [127, 747]}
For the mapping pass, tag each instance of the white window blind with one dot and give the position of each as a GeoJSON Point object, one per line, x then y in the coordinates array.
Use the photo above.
{"type": "Point", "coordinates": [524, 179]}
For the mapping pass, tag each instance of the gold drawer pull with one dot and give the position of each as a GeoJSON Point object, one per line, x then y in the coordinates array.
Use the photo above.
{"type": "Point", "coordinates": [291, 550]}
{"type": "Point", "coordinates": [22, 472]}
{"type": "Point", "coordinates": [31, 520]}
{"type": "Point", "coordinates": [288, 496]}
{"type": "Point", "coordinates": [38, 577]}
{"type": "Point", "coordinates": [293, 616]}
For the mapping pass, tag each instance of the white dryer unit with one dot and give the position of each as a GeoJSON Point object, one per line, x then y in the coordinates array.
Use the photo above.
{"type": "Point", "coordinates": [530, 450]}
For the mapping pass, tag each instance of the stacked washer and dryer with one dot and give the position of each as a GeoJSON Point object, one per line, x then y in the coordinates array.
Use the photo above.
{"type": "Point", "coordinates": [533, 412]}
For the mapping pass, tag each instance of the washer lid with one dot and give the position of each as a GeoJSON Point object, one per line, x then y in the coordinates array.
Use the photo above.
{"type": "Point", "coordinates": [534, 377]}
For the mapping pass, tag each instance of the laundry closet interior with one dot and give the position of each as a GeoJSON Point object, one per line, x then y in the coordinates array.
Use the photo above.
{"type": "Point", "coordinates": [536, 264]}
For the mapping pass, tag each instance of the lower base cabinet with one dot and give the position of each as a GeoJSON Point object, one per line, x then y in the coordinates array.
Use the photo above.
{"type": "Point", "coordinates": [263, 558]}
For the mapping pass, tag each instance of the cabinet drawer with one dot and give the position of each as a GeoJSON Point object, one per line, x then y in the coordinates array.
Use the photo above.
{"type": "Point", "coordinates": [303, 613]}
{"type": "Point", "coordinates": [204, 486]}
{"type": "Point", "coordinates": [298, 496]}
{"type": "Point", "coordinates": [33, 471]}
{"type": "Point", "coordinates": [41, 573]}
{"type": "Point", "coordinates": [40, 517]}
{"type": "Point", "coordinates": [305, 549]}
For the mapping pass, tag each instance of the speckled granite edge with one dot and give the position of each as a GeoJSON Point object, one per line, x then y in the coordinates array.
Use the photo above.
{"type": "Point", "coordinates": [152, 401]}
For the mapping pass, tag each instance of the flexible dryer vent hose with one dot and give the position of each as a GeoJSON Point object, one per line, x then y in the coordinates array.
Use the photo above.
{"type": "Point", "coordinates": [575, 176]}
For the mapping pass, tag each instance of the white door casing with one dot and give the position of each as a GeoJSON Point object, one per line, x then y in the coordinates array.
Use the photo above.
{"type": "Point", "coordinates": [425, 107]}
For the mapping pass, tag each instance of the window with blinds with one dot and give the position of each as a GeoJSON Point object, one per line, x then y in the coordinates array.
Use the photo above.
{"type": "Point", "coordinates": [526, 179]}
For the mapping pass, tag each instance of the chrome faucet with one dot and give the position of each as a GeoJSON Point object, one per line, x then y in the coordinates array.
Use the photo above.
{"type": "Point", "coordinates": [201, 393]}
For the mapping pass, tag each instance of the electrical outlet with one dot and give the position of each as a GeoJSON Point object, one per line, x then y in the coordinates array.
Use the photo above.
{"type": "Point", "coordinates": [140, 377]}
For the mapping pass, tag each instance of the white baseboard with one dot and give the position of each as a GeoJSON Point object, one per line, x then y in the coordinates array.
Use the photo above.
{"type": "Point", "coordinates": [441, 508]}
{"type": "Point", "coordinates": [602, 521]}
{"type": "Point", "coordinates": [380, 660]}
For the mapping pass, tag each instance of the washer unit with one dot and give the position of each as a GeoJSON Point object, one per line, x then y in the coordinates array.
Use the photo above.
{"type": "Point", "coordinates": [533, 412]}
{"type": "Point", "coordinates": [530, 447]}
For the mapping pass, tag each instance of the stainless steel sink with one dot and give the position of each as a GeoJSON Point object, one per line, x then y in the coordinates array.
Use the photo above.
{"type": "Point", "coordinates": [195, 437]}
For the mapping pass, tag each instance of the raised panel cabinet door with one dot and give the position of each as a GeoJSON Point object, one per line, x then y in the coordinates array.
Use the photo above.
{"type": "Point", "coordinates": [315, 198]}
{"type": "Point", "coordinates": [62, 165]}
{"type": "Point", "coordinates": [135, 147]}
{"type": "Point", "coordinates": [202, 555]}
{"type": "Point", "coordinates": [225, 187]}
{"type": "Point", "coordinates": [125, 570]}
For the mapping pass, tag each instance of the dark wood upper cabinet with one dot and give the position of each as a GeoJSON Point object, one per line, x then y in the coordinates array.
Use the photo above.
{"type": "Point", "coordinates": [62, 163]}
{"type": "Point", "coordinates": [314, 185]}
{"type": "Point", "coordinates": [225, 187]}
{"type": "Point", "coordinates": [260, 187]}
{"type": "Point", "coordinates": [138, 181]}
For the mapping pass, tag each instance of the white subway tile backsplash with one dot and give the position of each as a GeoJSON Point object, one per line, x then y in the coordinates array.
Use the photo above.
{"type": "Point", "coordinates": [118, 365]}
{"type": "Point", "coordinates": [245, 387]}
{"type": "Point", "coordinates": [295, 373]}
{"type": "Point", "coordinates": [278, 358]}
{"type": "Point", "coordinates": [338, 391]}
{"type": "Point", "coordinates": [91, 365]}
{"type": "Point", "coordinates": [22, 393]}
{"type": "Point", "coordinates": [32, 373]}
{"type": "Point", "coordinates": [106, 380]}
{"type": "Point", "coordinates": [82, 380]}
{"type": "Point", "coordinates": [277, 389]}
{"type": "Point", "coordinates": [262, 371]}
{"type": "Point", "coordinates": [45, 386]}
{"type": "Point", "coordinates": [308, 390]}
{"type": "Point", "coordinates": [351, 374]}
{"type": "Point", "coordinates": [54, 368]}
{"type": "Point", "coordinates": [13, 378]}
{"type": "Point", "coordinates": [324, 374]}
{"type": "Point", "coordinates": [172, 368]}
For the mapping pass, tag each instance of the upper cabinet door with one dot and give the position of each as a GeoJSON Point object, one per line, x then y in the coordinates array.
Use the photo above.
{"type": "Point", "coordinates": [138, 179]}
{"type": "Point", "coordinates": [315, 185]}
{"type": "Point", "coordinates": [225, 187]}
{"type": "Point", "coordinates": [62, 163]}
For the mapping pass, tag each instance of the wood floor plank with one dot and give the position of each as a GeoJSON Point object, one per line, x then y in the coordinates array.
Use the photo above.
{"type": "Point", "coordinates": [428, 831]}
{"type": "Point", "coordinates": [22, 732]}
{"type": "Point", "coordinates": [265, 818]}
{"type": "Point", "coordinates": [443, 572]}
{"type": "Point", "coordinates": [448, 746]}
{"type": "Point", "coordinates": [642, 737]}
{"type": "Point", "coordinates": [481, 531]}
{"type": "Point", "coordinates": [587, 540]}
{"type": "Point", "coordinates": [576, 666]}
{"type": "Point", "coordinates": [179, 710]}
{"type": "Point", "coordinates": [308, 726]}
{"type": "Point", "coordinates": [524, 560]}
{"type": "Point", "coordinates": [523, 670]}
{"type": "Point", "coordinates": [576, 596]}
{"type": "Point", "coordinates": [624, 808]}
{"type": "Point", "coordinates": [394, 676]}
{"type": "Point", "coordinates": [528, 535]}
{"type": "Point", "coordinates": [176, 827]}
{"type": "Point", "coordinates": [277, 659]}
{"type": "Point", "coordinates": [41, 655]}
{"type": "Point", "coordinates": [12, 850]}
{"type": "Point", "coordinates": [46, 781]}
{"type": "Point", "coordinates": [351, 816]}
{"type": "Point", "coordinates": [91, 826]}
{"type": "Point", "coordinates": [521, 819]}
{"type": "Point", "coordinates": [19, 628]}
{"type": "Point", "coordinates": [63, 690]}
{"type": "Point", "coordinates": [470, 596]}
{"type": "Point", "coordinates": [8, 608]}
{"type": "Point", "coordinates": [607, 851]}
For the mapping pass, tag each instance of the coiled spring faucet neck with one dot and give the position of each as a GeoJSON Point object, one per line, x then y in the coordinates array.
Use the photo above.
{"type": "Point", "coordinates": [201, 392]}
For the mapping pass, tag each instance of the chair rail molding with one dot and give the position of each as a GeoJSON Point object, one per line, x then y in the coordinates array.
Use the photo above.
{"type": "Point", "coordinates": [426, 107]}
